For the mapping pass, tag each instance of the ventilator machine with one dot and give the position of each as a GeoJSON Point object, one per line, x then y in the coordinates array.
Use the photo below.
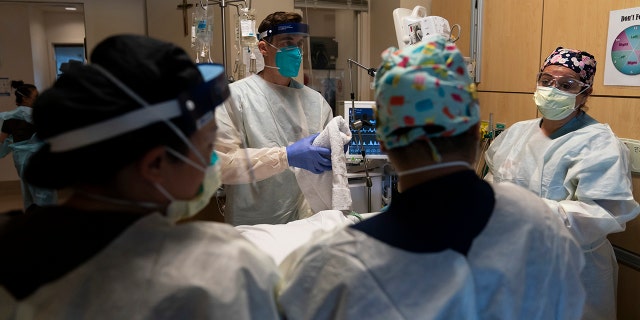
{"type": "Point", "coordinates": [372, 180]}
{"type": "Point", "coordinates": [371, 177]}
{"type": "Point", "coordinates": [412, 25]}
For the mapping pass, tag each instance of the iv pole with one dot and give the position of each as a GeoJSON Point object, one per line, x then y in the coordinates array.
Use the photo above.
{"type": "Point", "coordinates": [357, 125]}
{"type": "Point", "coordinates": [223, 5]}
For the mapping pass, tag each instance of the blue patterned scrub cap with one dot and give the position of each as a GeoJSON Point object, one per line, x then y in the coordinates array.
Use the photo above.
{"type": "Point", "coordinates": [424, 91]}
{"type": "Point", "coordinates": [581, 62]}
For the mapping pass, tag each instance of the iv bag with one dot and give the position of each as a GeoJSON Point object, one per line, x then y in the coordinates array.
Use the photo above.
{"type": "Point", "coordinates": [203, 28]}
{"type": "Point", "coordinates": [202, 33]}
{"type": "Point", "coordinates": [248, 27]}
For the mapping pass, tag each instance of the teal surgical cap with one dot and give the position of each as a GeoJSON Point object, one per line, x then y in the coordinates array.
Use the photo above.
{"type": "Point", "coordinates": [423, 91]}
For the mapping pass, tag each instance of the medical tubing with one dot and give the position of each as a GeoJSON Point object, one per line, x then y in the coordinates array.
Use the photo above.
{"type": "Point", "coordinates": [367, 180]}
{"type": "Point", "coordinates": [353, 94]}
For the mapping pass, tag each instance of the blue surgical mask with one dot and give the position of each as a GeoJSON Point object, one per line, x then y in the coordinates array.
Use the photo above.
{"type": "Point", "coordinates": [288, 60]}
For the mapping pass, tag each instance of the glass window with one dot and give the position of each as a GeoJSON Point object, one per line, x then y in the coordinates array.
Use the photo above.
{"type": "Point", "coordinates": [66, 55]}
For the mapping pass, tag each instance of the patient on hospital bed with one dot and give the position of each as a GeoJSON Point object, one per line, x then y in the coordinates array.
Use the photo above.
{"type": "Point", "coordinates": [278, 240]}
{"type": "Point", "coordinates": [327, 194]}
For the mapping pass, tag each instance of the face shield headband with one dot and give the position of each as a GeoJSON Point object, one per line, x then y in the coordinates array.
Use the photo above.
{"type": "Point", "coordinates": [197, 105]}
{"type": "Point", "coordinates": [285, 28]}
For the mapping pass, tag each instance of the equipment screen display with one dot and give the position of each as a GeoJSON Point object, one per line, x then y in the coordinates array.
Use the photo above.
{"type": "Point", "coordinates": [366, 138]}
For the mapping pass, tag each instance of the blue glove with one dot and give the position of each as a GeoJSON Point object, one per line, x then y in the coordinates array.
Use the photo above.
{"type": "Point", "coordinates": [302, 154]}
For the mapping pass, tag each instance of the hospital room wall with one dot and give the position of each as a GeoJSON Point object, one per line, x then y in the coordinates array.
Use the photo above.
{"type": "Point", "coordinates": [382, 30]}
{"type": "Point", "coordinates": [101, 19]}
{"type": "Point", "coordinates": [165, 21]}
{"type": "Point", "coordinates": [157, 18]}
{"type": "Point", "coordinates": [517, 36]}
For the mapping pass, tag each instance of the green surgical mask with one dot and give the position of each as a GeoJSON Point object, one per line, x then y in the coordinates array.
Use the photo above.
{"type": "Point", "coordinates": [183, 209]}
{"type": "Point", "coordinates": [553, 103]}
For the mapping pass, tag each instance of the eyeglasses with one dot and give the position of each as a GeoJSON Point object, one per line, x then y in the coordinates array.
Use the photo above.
{"type": "Point", "coordinates": [286, 46]}
{"type": "Point", "coordinates": [566, 84]}
{"type": "Point", "coordinates": [285, 40]}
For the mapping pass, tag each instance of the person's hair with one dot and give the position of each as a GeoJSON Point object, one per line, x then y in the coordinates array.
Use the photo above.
{"type": "Point", "coordinates": [277, 18]}
{"type": "Point", "coordinates": [584, 106]}
{"type": "Point", "coordinates": [23, 90]}
{"type": "Point", "coordinates": [465, 145]}
{"type": "Point", "coordinates": [100, 100]}
{"type": "Point", "coordinates": [157, 71]}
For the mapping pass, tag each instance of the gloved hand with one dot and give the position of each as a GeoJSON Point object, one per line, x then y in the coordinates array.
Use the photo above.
{"type": "Point", "coordinates": [302, 154]}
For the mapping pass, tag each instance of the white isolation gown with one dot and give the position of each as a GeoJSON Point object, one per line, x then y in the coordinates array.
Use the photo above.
{"type": "Point", "coordinates": [157, 270]}
{"type": "Point", "coordinates": [265, 118]}
{"type": "Point", "coordinates": [583, 175]}
{"type": "Point", "coordinates": [520, 266]}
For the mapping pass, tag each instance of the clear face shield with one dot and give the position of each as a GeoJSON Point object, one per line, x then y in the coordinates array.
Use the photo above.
{"type": "Point", "coordinates": [196, 106]}
{"type": "Point", "coordinates": [289, 28]}
{"type": "Point", "coordinates": [288, 40]}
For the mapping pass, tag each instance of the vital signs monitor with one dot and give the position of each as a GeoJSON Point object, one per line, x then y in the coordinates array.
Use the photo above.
{"type": "Point", "coordinates": [366, 138]}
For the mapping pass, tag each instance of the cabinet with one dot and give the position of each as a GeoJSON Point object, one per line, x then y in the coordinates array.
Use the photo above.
{"type": "Point", "coordinates": [511, 35]}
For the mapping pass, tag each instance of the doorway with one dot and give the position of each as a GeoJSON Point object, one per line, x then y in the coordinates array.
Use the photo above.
{"type": "Point", "coordinates": [66, 55]}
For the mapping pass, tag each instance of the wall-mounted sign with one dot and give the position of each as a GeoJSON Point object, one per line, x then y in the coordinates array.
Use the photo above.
{"type": "Point", "coordinates": [5, 87]}
{"type": "Point", "coordinates": [622, 66]}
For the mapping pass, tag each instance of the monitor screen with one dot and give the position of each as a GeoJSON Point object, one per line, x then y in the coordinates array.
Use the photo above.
{"type": "Point", "coordinates": [362, 110]}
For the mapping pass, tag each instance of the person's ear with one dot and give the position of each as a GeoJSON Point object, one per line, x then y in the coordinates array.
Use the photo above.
{"type": "Point", "coordinates": [152, 164]}
{"type": "Point", "coordinates": [582, 98]}
{"type": "Point", "coordinates": [262, 46]}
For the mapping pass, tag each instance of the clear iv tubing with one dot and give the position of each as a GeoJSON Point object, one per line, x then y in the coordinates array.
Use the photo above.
{"type": "Point", "coordinates": [252, 63]}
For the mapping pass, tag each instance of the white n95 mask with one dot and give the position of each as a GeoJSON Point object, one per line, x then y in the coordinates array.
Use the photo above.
{"type": "Point", "coordinates": [183, 209]}
{"type": "Point", "coordinates": [553, 103]}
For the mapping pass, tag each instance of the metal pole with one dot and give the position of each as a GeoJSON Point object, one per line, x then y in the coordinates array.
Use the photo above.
{"type": "Point", "coordinates": [224, 36]}
{"type": "Point", "coordinates": [223, 5]}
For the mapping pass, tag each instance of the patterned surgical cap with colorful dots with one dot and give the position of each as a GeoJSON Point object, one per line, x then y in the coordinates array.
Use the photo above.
{"type": "Point", "coordinates": [581, 62]}
{"type": "Point", "coordinates": [424, 91]}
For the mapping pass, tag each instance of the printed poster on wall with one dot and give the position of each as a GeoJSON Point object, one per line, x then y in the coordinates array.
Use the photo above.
{"type": "Point", "coordinates": [5, 87]}
{"type": "Point", "coordinates": [622, 66]}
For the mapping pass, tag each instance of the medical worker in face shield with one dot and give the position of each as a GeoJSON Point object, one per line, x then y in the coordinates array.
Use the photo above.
{"type": "Point", "coordinates": [576, 165]}
{"type": "Point", "coordinates": [19, 136]}
{"type": "Point", "coordinates": [133, 138]}
{"type": "Point", "coordinates": [500, 254]}
{"type": "Point", "coordinates": [270, 129]}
